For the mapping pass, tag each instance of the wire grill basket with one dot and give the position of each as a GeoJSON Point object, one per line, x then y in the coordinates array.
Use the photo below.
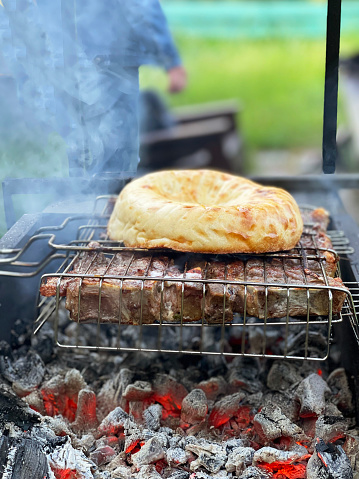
{"type": "Point", "coordinates": [126, 320]}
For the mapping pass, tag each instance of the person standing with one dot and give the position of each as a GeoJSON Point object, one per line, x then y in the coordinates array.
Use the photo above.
{"type": "Point", "coordinates": [76, 66]}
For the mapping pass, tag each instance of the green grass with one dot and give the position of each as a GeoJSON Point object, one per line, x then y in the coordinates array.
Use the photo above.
{"type": "Point", "coordinates": [279, 83]}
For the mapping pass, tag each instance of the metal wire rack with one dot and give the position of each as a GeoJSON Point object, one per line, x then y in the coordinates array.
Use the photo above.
{"type": "Point", "coordinates": [124, 319]}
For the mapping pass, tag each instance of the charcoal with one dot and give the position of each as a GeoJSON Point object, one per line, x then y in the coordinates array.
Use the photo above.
{"type": "Point", "coordinates": [148, 472]}
{"type": "Point", "coordinates": [25, 372]}
{"type": "Point", "coordinates": [132, 441]}
{"type": "Point", "coordinates": [209, 455]}
{"type": "Point", "coordinates": [194, 407]}
{"type": "Point", "coordinates": [255, 473]}
{"type": "Point", "coordinates": [239, 458]}
{"type": "Point", "coordinates": [110, 395]}
{"type": "Point", "coordinates": [152, 416]}
{"type": "Point", "coordinates": [44, 346]}
{"type": "Point", "coordinates": [238, 380]}
{"type": "Point", "coordinates": [351, 448]}
{"type": "Point", "coordinates": [177, 474]}
{"type": "Point", "coordinates": [213, 387]}
{"type": "Point", "coordinates": [136, 410]}
{"type": "Point", "coordinates": [270, 454]}
{"type": "Point", "coordinates": [68, 458]}
{"type": "Point", "coordinates": [151, 452]}
{"type": "Point", "coordinates": [341, 392]}
{"type": "Point", "coordinates": [13, 409]}
{"type": "Point", "coordinates": [86, 418]}
{"type": "Point", "coordinates": [122, 472]}
{"type": "Point", "coordinates": [168, 392]}
{"type": "Point", "coordinates": [36, 402]}
{"type": "Point", "coordinates": [116, 421]}
{"type": "Point", "coordinates": [311, 395]}
{"type": "Point", "coordinates": [282, 375]}
{"type": "Point", "coordinates": [85, 443]}
{"type": "Point", "coordinates": [102, 455]}
{"type": "Point", "coordinates": [225, 409]}
{"type": "Point", "coordinates": [231, 444]}
{"type": "Point", "coordinates": [23, 458]}
{"type": "Point", "coordinates": [138, 391]}
{"type": "Point", "coordinates": [285, 401]}
{"type": "Point", "coordinates": [102, 475]}
{"type": "Point", "coordinates": [270, 423]}
{"type": "Point", "coordinates": [58, 425]}
{"type": "Point", "coordinates": [176, 456]}
{"type": "Point", "coordinates": [329, 428]}
{"type": "Point", "coordinates": [328, 462]}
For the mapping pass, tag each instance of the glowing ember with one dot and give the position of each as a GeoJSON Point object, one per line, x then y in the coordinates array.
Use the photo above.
{"type": "Point", "coordinates": [55, 406]}
{"type": "Point", "coordinates": [282, 470]}
{"type": "Point", "coordinates": [65, 473]}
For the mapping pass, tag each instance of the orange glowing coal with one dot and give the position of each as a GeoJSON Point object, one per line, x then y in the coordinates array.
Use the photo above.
{"type": "Point", "coordinates": [54, 406]}
{"type": "Point", "coordinates": [282, 470]}
{"type": "Point", "coordinates": [65, 473]}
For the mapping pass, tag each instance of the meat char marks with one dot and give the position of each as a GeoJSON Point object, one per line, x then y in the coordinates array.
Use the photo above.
{"type": "Point", "coordinates": [186, 287]}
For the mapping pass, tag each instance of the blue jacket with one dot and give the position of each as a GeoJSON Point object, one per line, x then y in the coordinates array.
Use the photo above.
{"type": "Point", "coordinates": [67, 44]}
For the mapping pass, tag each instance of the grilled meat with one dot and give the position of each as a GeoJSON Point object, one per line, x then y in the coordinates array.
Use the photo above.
{"type": "Point", "coordinates": [135, 287]}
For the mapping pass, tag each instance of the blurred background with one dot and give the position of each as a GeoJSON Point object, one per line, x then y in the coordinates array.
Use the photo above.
{"type": "Point", "coordinates": [254, 99]}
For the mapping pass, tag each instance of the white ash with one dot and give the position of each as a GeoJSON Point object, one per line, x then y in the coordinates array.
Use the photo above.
{"type": "Point", "coordinates": [270, 423]}
{"type": "Point", "coordinates": [330, 427]}
{"type": "Point", "coordinates": [66, 457]}
{"type": "Point", "coordinates": [116, 421]}
{"type": "Point", "coordinates": [176, 456]}
{"type": "Point", "coordinates": [152, 416]}
{"type": "Point", "coordinates": [194, 407]}
{"type": "Point", "coordinates": [209, 455]}
{"type": "Point", "coordinates": [255, 473]}
{"type": "Point", "coordinates": [311, 394]}
{"type": "Point", "coordinates": [239, 458]}
{"type": "Point", "coordinates": [151, 452]}
{"type": "Point", "coordinates": [148, 472]}
{"type": "Point", "coordinates": [329, 461]}
{"type": "Point", "coordinates": [283, 375]}
{"type": "Point", "coordinates": [138, 391]}
{"type": "Point", "coordinates": [351, 448]}
{"type": "Point", "coordinates": [270, 454]}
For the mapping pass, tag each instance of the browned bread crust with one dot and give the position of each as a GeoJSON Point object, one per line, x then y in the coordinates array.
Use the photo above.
{"type": "Point", "coordinates": [205, 211]}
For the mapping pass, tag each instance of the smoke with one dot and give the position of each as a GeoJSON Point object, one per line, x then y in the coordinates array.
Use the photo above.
{"type": "Point", "coordinates": [68, 62]}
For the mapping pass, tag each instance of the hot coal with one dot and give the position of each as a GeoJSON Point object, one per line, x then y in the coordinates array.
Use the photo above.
{"type": "Point", "coordinates": [330, 428]}
{"type": "Point", "coordinates": [270, 423]}
{"type": "Point", "coordinates": [329, 462]}
{"type": "Point", "coordinates": [126, 416]}
{"type": "Point", "coordinates": [311, 395]}
{"type": "Point", "coordinates": [194, 407]}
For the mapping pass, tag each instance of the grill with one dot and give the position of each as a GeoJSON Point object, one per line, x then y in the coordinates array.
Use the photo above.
{"type": "Point", "coordinates": [289, 337]}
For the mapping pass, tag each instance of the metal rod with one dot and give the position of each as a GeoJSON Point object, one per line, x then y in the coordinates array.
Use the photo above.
{"type": "Point", "coordinates": [331, 87]}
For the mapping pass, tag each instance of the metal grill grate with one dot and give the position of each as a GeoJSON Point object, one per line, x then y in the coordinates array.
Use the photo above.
{"type": "Point", "coordinates": [218, 332]}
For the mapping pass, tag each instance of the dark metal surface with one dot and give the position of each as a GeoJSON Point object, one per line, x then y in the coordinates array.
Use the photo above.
{"type": "Point", "coordinates": [331, 87]}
